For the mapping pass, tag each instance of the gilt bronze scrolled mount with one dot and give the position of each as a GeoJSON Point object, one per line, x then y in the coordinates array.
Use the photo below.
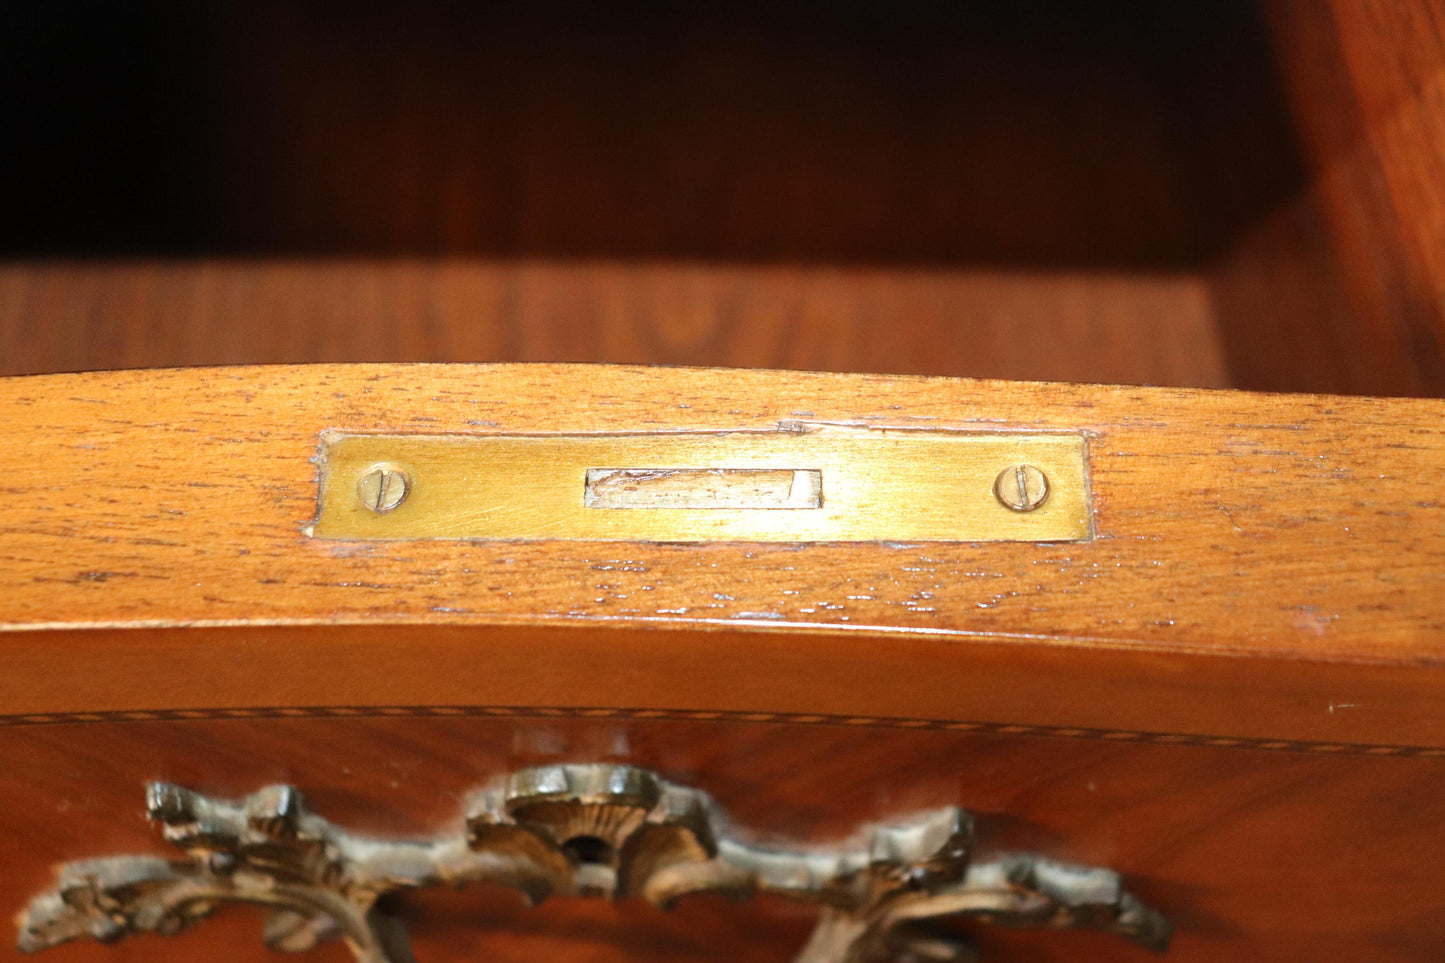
{"type": "Point", "coordinates": [595, 830]}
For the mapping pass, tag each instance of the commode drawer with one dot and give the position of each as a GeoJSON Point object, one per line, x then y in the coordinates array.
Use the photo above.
{"type": "Point", "coordinates": [524, 662]}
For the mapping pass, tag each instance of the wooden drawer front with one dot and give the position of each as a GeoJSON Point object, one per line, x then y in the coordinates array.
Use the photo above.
{"type": "Point", "coordinates": [1299, 853]}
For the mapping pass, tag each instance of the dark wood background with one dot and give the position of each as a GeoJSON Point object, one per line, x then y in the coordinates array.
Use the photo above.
{"type": "Point", "coordinates": [1128, 135]}
{"type": "Point", "coordinates": [1212, 834]}
{"type": "Point", "coordinates": [1233, 193]}
{"type": "Point", "coordinates": [1227, 193]}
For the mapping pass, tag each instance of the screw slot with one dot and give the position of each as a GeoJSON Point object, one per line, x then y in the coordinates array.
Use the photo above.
{"type": "Point", "coordinates": [1021, 488]}
{"type": "Point", "coordinates": [383, 488]}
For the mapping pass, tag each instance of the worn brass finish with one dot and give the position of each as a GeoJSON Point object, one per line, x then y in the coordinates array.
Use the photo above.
{"type": "Point", "coordinates": [382, 488]}
{"type": "Point", "coordinates": [1022, 488]}
{"type": "Point", "coordinates": [833, 484]}
{"type": "Point", "coordinates": [703, 488]}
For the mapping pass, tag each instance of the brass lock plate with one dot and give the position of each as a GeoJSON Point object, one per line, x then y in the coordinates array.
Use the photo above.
{"type": "Point", "coordinates": [801, 483]}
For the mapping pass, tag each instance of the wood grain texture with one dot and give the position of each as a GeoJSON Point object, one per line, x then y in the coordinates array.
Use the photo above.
{"type": "Point", "coordinates": [1264, 566]}
{"type": "Point", "coordinates": [1365, 80]}
{"type": "Point", "coordinates": [1077, 180]}
{"type": "Point", "coordinates": [1270, 857]}
{"type": "Point", "coordinates": [1067, 325]}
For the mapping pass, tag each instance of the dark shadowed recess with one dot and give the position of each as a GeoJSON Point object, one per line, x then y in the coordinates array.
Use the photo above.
{"type": "Point", "coordinates": [1128, 134]}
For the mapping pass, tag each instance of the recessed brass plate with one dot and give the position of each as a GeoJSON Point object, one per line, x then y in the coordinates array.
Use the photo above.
{"type": "Point", "coordinates": [798, 484]}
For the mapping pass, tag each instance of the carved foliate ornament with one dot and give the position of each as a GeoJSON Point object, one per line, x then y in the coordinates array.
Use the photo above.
{"type": "Point", "coordinates": [606, 831]}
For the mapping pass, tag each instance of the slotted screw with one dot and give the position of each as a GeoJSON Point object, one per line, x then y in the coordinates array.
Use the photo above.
{"type": "Point", "coordinates": [383, 487]}
{"type": "Point", "coordinates": [1021, 488]}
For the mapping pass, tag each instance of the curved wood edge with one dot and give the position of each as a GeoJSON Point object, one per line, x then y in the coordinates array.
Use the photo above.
{"type": "Point", "coordinates": [1265, 566]}
{"type": "Point", "coordinates": [858, 678]}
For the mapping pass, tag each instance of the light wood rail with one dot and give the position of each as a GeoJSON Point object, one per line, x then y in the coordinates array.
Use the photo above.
{"type": "Point", "coordinates": [1260, 561]}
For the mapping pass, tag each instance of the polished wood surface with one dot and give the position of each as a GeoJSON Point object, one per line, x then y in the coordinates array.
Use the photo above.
{"type": "Point", "coordinates": [1238, 193]}
{"type": "Point", "coordinates": [1045, 325]}
{"type": "Point", "coordinates": [1263, 566]}
{"type": "Point", "coordinates": [1232, 695]}
{"type": "Point", "coordinates": [1342, 282]}
{"type": "Point", "coordinates": [1269, 856]}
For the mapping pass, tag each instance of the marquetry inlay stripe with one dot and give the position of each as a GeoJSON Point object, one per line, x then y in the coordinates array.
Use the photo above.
{"type": "Point", "coordinates": [784, 718]}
